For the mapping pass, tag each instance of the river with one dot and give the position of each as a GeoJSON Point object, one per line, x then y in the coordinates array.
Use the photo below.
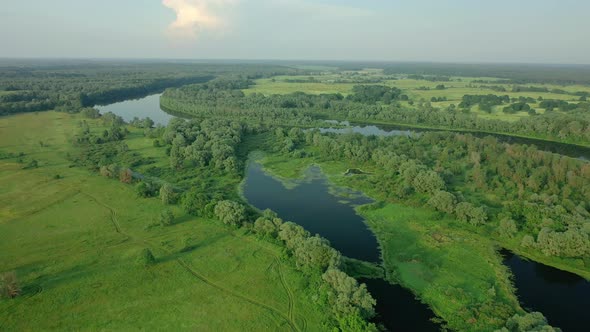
{"type": "Point", "coordinates": [563, 298]}
{"type": "Point", "coordinates": [311, 203]}
{"type": "Point", "coordinates": [150, 107]}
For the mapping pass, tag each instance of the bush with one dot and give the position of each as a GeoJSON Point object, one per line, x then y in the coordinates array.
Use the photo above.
{"type": "Point", "coordinates": [126, 176]}
{"type": "Point", "coordinates": [146, 258]}
{"type": "Point", "coordinates": [194, 202]}
{"type": "Point", "coordinates": [443, 201]}
{"type": "Point", "coordinates": [9, 287]}
{"type": "Point", "coordinates": [167, 194]}
{"type": "Point", "coordinates": [167, 218]}
{"type": "Point", "coordinates": [145, 189]}
{"type": "Point", "coordinates": [534, 321]}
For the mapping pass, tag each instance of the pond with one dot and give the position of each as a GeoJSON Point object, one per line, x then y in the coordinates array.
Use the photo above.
{"type": "Point", "coordinates": [144, 107]}
{"type": "Point", "coordinates": [311, 203]}
{"type": "Point", "coordinates": [563, 297]}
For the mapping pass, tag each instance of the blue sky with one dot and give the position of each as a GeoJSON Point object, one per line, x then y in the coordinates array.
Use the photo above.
{"type": "Point", "coordinates": [544, 31]}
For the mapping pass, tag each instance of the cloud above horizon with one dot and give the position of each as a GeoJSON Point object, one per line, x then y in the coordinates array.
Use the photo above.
{"type": "Point", "coordinates": [193, 17]}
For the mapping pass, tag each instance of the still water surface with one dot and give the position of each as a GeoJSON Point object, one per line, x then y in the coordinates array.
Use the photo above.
{"type": "Point", "coordinates": [312, 204]}
{"type": "Point", "coordinates": [563, 297]}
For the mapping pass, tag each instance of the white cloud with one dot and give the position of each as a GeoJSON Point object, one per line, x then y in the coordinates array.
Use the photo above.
{"type": "Point", "coordinates": [195, 16]}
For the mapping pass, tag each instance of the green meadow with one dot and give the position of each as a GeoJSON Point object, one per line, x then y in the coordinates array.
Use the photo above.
{"type": "Point", "coordinates": [74, 240]}
{"type": "Point", "coordinates": [454, 269]}
{"type": "Point", "coordinates": [455, 89]}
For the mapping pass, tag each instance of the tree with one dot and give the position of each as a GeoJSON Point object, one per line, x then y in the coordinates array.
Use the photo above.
{"type": "Point", "coordinates": [145, 189]}
{"type": "Point", "coordinates": [9, 287]}
{"type": "Point", "coordinates": [193, 202]}
{"type": "Point", "coordinates": [507, 227]}
{"type": "Point", "coordinates": [347, 296]}
{"type": "Point", "coordinates": [527, 241]}
{"type": "Point", "coordinates": [147, 123]}
{"type": "Point", "coordinates": [167, 194]}
{"type": "Point", "coordinates": [443, 201]}
{"type": "Point", "coordinates": [292, 234]}
{"type": "Point", "coordinates": [230, 213]}
{"type": "Point", "coordinates": [166, 218]}
{"type": "Point", "coordinates": [468, 212]}
{"type": "Point", "coordinates": [529, 322]}
{"type": "Point", "coordinates": [315, 253]}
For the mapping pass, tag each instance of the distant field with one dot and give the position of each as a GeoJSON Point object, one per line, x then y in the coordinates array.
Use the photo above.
{"type": "Point", "coordinates": [416, 89]}
{"type": "Point", "coordinates": [74, 243]}
{"type": "Point", "coordinates": [280, 87]}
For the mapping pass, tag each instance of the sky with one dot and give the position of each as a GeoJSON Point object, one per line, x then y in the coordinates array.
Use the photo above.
{"type": "Point", "coordinates": [519, 31]}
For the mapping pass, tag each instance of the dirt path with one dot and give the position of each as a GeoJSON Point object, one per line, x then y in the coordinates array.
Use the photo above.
{"type": "Point", "coordinates": [287, 317]}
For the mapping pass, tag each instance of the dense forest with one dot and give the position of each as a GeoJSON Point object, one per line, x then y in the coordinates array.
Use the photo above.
{"type": "Point", "coordinates": [68, 87]}
{"type": "Point", "coordinates": [377, 103]}
{"type": "Point", "coordinates": [517, 190]}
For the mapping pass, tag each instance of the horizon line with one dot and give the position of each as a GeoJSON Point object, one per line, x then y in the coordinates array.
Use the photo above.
{"type": "Point", "coordinates": [238, 60]}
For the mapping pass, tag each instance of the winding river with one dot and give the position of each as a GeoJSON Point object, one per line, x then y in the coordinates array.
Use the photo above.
{"type": "Point", "coordinates": [310, 203]}
{"type": "Point", "coordinates": [563, 298]}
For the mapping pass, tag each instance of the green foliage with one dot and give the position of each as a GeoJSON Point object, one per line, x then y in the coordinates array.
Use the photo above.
{"type": "Point", "coordinates": [167, 194]}
{"type": "Point", "coordinates": [507, 228]}
{"type": "Point", "coordinates": [347, 297]}
{"type": "Point", "coordinates": [9, 286]}
{"type": "Point", "coordinates": [372, 94]}
{"type": "Point", "coordinates": [31, 164]}
{"type": "Point", "coordinates": [230, 213]}
{"type": "Point", "coordinates": [443, 201]}
{"type": "Point", "coordinates": [75, 87]}
{"type": "Point", "coordinates": [166, 218]}
{"type": "Point", "coordinates": [194, 201]}
{"type": "Point", "coordinates": [315, 253]}
{"type": "Point", "coordinates": [530, 322]}
{"type": "Point", "coordinates": [571, 243]}
{"type": "Point", "coordinates": [468, 212]}
{"type": "Point", "coordinates": [268, 225]}
{"type": "Point", "coordinates": [146, 258]}
{"type": "Point", "coordinates": [428, 182]}
{"type": "Point", "coordinates": [145, 189]}
{"type": "Point", "coordinates": [90, 113]}
{"type": "Point", "coordinates": [292, 234]}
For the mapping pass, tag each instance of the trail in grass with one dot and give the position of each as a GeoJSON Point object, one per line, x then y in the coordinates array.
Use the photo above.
{"type": "Point", "coordinates": [288, 318]}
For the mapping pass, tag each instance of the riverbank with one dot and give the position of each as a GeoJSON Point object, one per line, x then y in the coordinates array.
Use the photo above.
{"type": "Point", "coordinates": [448, 264]}
{"type": "Point", "coordinates": [449, 268]}
{"type": "Point", "coordinates": [323, 117]}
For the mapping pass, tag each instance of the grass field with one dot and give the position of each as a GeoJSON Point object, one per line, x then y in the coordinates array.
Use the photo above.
{"type": "Point", "coordinates": [454, 269]}
{"type": "Point", "coordinates": [74, 244]}
{"type": "Point", "coordinates": [280, 87]}
{"type": "Point", "coordinates": [454, 92]}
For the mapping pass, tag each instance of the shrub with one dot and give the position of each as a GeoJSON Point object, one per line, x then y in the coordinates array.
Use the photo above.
{"type": "Point", "coordinates": [166, 218]}
{"type": "Point", "coordinates": [146, 258]}
{"type": "Point", "coordinates": [167, 194]}
{"type": "Point", "coordinates": [9, 287]}
{"type": "Point", "coordinates": [126, 176]}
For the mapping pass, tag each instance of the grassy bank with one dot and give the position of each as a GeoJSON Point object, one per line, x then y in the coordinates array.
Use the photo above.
{"type": "Point", "coordinates": [74, 239]}
{"type": "Point", "coordinates": [453, 268]}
